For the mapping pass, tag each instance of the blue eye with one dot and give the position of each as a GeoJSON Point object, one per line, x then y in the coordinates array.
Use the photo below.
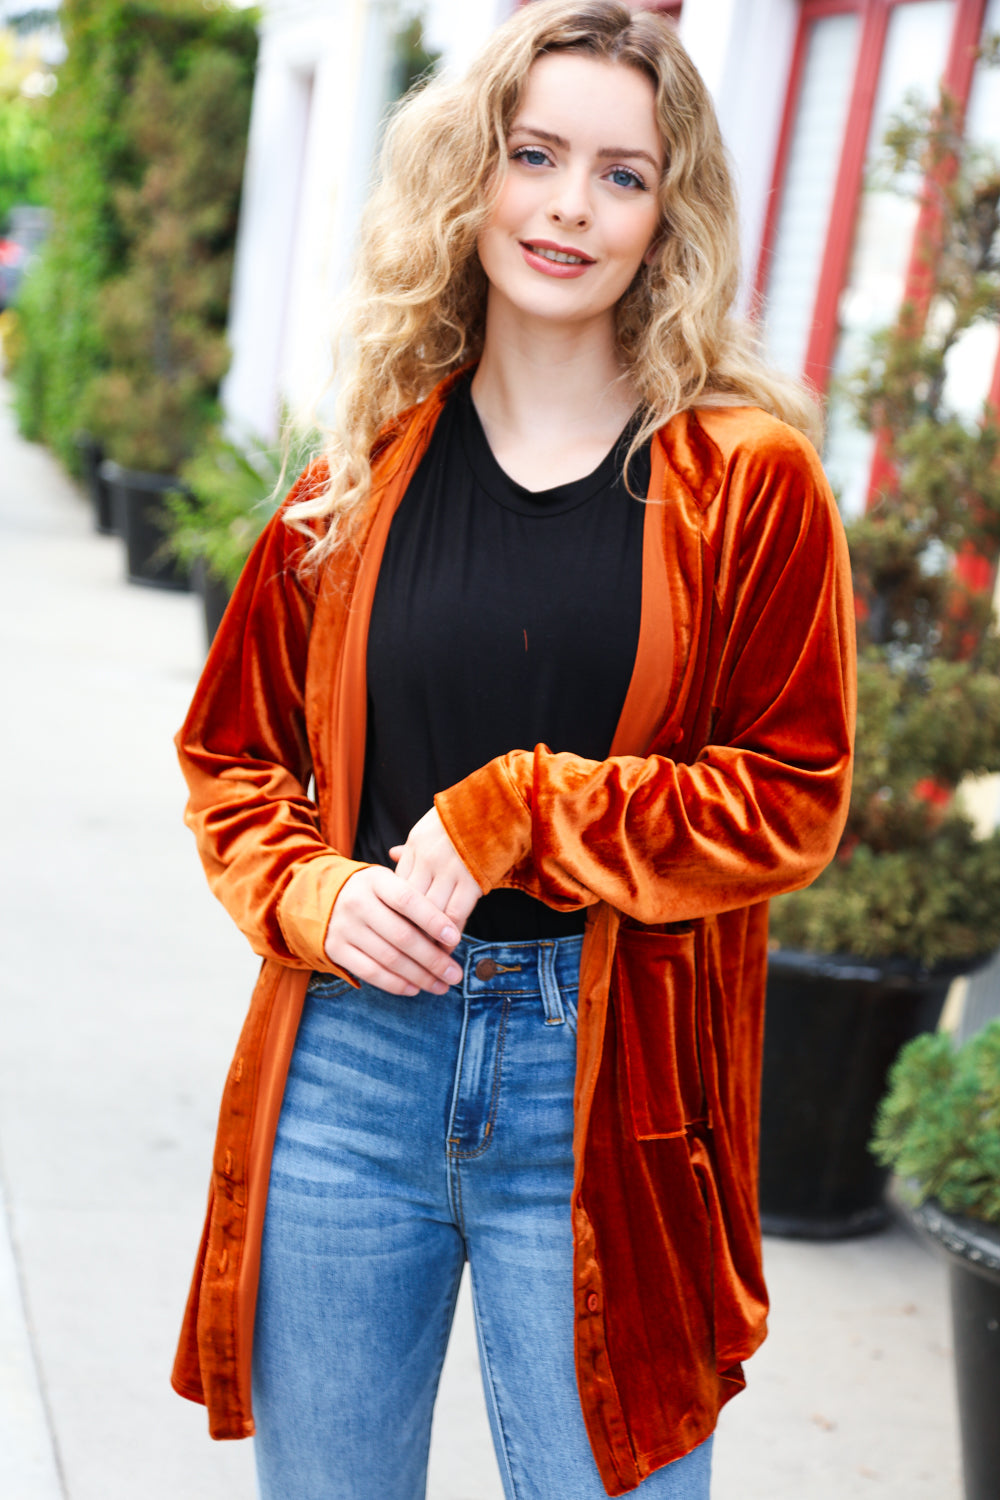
{"type": "Point", "coordinates": [532, 156]}
{"type": "Point", "coordinates": [626, 178]}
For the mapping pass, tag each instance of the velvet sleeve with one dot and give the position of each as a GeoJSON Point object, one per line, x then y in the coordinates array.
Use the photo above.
{"type": "Point", "coordinates": [245, 755]}
{"type": "Point", "coordinates": [760, 808]}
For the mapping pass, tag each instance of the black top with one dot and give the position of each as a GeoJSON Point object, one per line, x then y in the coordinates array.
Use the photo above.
{"type": "Point", "coordinates": [503, 618]}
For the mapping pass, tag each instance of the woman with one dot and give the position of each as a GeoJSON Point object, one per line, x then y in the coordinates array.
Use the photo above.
{"type": "Point", "coordinates": [565, 745]}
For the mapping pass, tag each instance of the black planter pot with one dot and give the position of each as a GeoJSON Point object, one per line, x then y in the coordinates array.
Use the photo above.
{"type": "Point", "coordinates": [91, 456]}
{"type": "Point", "coordinates": [214, 596]}
{"type": "Point", "coordinates": [972, 1249]}
{"type": "Point", "coordinates": [141, 520]}
{"type": "Point", "coordinates": [832, 1030]}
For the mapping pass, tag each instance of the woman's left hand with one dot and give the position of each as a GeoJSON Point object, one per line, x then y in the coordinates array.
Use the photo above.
{"type": "Point", "coordinates": [430, 863]}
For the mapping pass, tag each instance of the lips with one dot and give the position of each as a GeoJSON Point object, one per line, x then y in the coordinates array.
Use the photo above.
{"type": "Point", "coordinates": [559, 255]}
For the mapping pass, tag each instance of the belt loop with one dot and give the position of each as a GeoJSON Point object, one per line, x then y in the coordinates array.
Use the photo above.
{"type": "Point", "coordinates": [464, 954]}
{"type": "Point", "coordinates": [549, 985]}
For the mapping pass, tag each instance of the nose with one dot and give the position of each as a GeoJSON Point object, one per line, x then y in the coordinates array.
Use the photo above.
{"type": "Point", "coordinates": [570, 204]}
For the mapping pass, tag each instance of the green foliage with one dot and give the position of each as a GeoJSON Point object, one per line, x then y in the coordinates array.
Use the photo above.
{"type": "Point", "coordinates": [94, 162]}
{"type": "Point", "coordinates": [163, 319]}
{"type": "Point", "coordinates": [939, 1124]}
{"type": "Point", "coordinates": [937, 902]}
{"type": "Point", "coordinates": [23, 141]}
{"type": "Point", "coordinates": [910, 878]}
{"type": "Point", "coordinates": [24, 131]}
{"type": "Point", "coordinates": [412, 60]}
{"type": "Point", "coordinates": [233, 492]}
{"type": "Point", "coordinates": [60, 348]}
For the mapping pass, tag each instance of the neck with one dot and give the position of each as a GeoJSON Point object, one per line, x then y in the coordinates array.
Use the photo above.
{"type": "Point", "coordinates": [534, 376]}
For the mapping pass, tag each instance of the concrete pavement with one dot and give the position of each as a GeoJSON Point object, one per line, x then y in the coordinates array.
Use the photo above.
{"type": "Point", "coordinates": [123, 989]}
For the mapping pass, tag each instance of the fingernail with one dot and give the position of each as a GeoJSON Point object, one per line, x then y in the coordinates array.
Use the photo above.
{"type": "Point", "coordinates": [453, 974]}
{"type": "Point", "coordinates": [449, 935]}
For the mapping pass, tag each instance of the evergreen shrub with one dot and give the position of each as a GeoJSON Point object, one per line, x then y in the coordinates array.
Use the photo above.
{"type": "Point", "coordinates": [102, 176]}
{"type": "Point", "coordinates": [938, 1126]}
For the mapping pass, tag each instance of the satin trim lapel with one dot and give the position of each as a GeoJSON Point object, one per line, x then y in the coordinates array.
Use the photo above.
{"type": "Point", "coordinates": [349, 708]}
{"type": "Point", "coordinates": [643, 710]}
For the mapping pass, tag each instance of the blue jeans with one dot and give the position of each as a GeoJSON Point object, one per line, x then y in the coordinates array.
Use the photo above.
{"type": "Point", "coordinates": [416, 1133]}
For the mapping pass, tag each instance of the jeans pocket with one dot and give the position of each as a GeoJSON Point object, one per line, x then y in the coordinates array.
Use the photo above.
{"type": "Point", "coordinates": [326, 986]}
{"type": "Point", "coordinates": [569, 999]}
{"type": "Point", "coordinates": [654, 990]}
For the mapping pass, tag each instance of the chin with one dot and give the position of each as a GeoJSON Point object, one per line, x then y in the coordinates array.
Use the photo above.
{"type": "Point", "coordinates": [559, 302]}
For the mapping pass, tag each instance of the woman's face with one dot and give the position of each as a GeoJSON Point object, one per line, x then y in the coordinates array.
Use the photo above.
{"type": "Point", "coordinates": [578, 211]}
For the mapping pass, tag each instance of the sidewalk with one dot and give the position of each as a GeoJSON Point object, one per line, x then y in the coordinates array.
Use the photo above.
{"type": "Point", "coordinates": [124, 989]}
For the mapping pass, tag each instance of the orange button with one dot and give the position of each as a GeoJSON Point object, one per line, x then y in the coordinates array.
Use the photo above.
{"type": "Point", "coordinates": [593, 1302]}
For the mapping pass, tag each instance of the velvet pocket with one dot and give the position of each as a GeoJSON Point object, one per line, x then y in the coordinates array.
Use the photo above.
{"type": "Point", "coordinates": [656, 1003]}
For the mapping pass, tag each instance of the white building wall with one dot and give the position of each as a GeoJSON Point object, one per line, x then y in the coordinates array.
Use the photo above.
{"type": "Point", "coordinates": [743, 50]}
{"type": "Point", "coordinates": [349, 89]}
{"type": "Point", "coordinates": [265, 246]}
{"type": "Point", "coordinates": [458, 28]}
{"type": "Point", "coordinates": [289, 197]}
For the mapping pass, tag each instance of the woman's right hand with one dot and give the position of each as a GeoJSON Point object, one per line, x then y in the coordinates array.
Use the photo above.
{"type": "Point", "coordinates": [387, 934]}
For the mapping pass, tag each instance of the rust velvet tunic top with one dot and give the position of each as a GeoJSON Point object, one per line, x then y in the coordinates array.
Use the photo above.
{"type": "Point", "coordinates": [727, 783]}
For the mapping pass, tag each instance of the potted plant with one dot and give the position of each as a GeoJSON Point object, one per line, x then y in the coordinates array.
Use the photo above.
{"type": "Point", "coordinates": [163, 318]}
{"type": "Point", "coordinates": [939, 1129]}
{"type": "Point", "coordinates": [230, 491]}
{"type": "Point", "coordinates": [91, 457]}
{"type": "Point", "coordinates": [863, 958]}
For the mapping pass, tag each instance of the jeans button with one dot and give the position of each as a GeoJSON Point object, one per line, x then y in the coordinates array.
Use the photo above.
{"type": "Point", "coordinates": [485, 968]}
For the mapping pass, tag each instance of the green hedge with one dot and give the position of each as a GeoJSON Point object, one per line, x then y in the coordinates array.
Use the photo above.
{"type": "Point", "coordinates": [94, 161]}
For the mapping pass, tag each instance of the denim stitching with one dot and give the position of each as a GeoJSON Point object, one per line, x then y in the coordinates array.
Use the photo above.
{"type": "Point", "coordinates": [456, 1090]}
{"type": "Point", "coordinates": [327, 986]}
{"type": "Point", "coordinates": [530, 991]}
{"type": "Point", "coordinates": [487, 1374]}
{"type": "Point", "coordinates": [494, 1097]}
{"type": "Point", "coordinates": [457, 1206]}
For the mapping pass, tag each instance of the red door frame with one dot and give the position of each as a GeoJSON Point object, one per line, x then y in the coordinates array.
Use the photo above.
{"type": "Point", "coordinates": [847, 192]}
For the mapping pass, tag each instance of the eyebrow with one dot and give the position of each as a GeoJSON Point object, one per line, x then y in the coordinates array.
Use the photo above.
{"type": "Point", "coordinates": [605, 153]}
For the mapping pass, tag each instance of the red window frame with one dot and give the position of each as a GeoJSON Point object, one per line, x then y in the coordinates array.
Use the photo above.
{"type": "Point", "coordinates": [958, 71]}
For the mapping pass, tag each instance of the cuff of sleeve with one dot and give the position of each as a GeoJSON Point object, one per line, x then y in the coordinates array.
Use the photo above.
{"type": "Point", "coordinates": [306, 905]}
{"type": "Point", "coordinates": [488, 819]}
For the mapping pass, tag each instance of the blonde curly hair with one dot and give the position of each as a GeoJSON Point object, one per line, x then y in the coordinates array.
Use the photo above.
{"type": "Point", "coordinates": [417, 301]}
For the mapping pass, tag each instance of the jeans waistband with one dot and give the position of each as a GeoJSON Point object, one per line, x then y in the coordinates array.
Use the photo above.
{"type": "Point", "coordinates": [545, 966]}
